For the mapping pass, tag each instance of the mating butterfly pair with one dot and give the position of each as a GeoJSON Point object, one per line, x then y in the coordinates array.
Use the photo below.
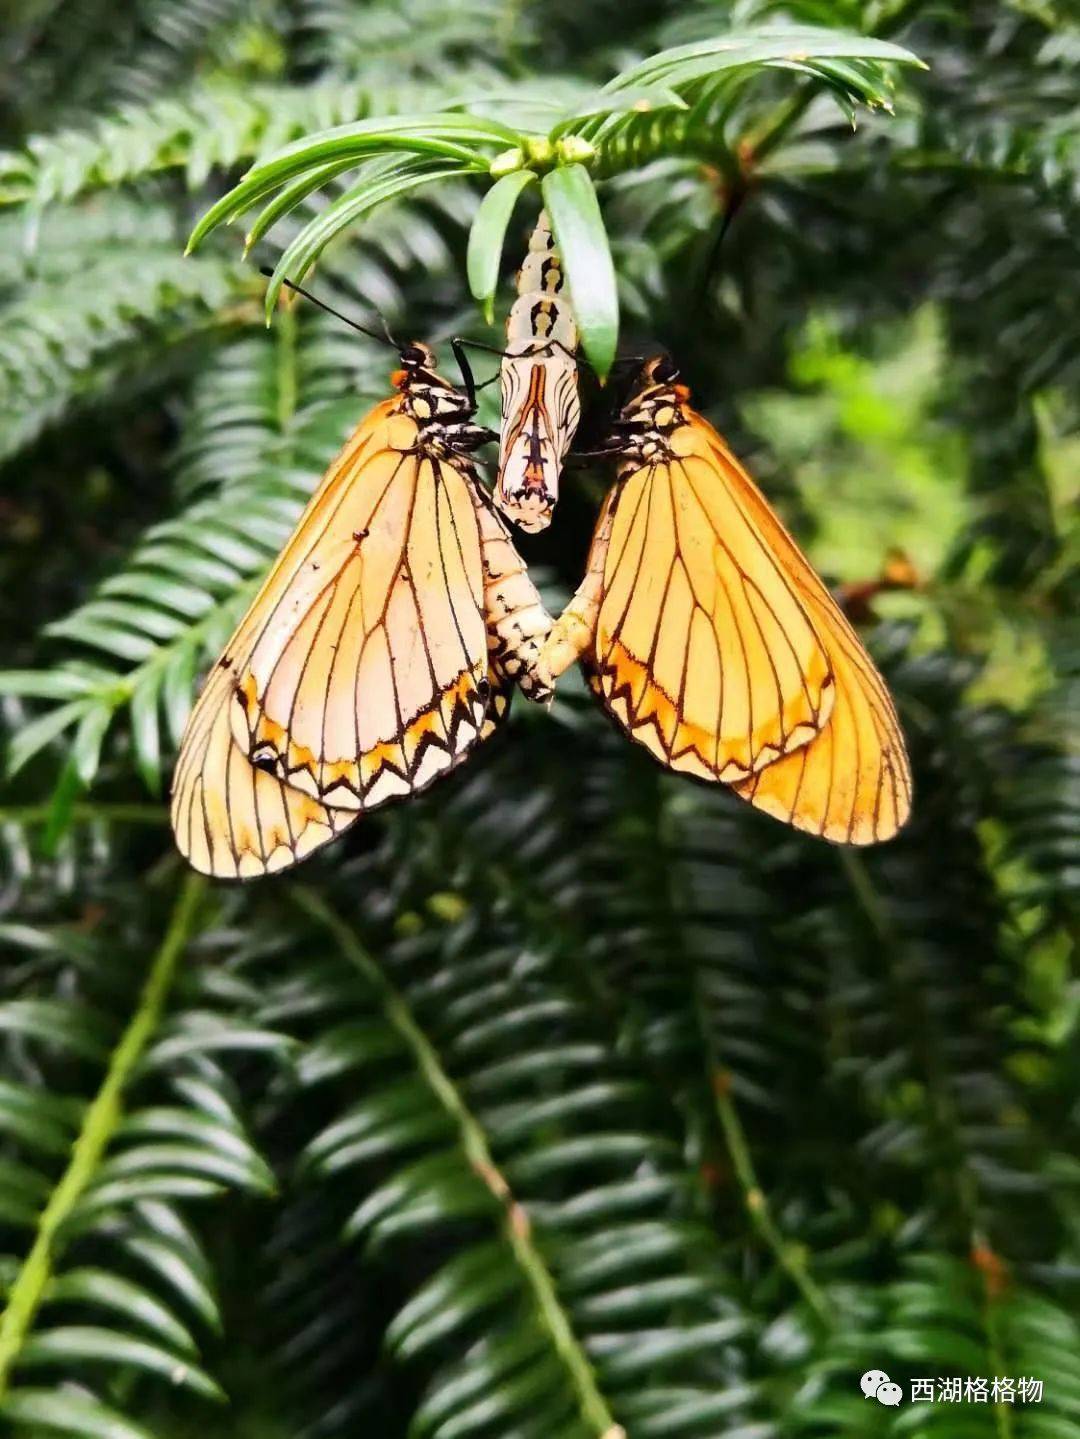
{"type": "Point", "coordinates": [389, 635]}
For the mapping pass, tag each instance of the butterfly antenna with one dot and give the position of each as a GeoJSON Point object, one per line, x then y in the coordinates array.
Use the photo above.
{"type": "Point", "coordinates": [731, 209]}
{"type": "Point", "coordinates": [732, 206]}
{"type": "Point", "coordinates": [353, 324]}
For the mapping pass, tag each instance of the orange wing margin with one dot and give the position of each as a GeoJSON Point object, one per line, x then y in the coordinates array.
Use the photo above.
{"type": "Point", "coordinates": [230, 819]}
{"type": "Point", "coordinates": [852, 784]}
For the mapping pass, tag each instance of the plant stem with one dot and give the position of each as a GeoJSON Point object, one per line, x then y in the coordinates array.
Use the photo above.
{"type": "Point", "coordinates": [1002, 1412]}
{"type": "Point", "coordinates": [98, 1127]}
{"type": "Point", "coordinates": [757, 1204]}
{"type": "Point", "coordinates": [761, 143]}
{"type": "Point", "coordinates": [553, 1317]}
{"type": "Point", "coordinates": [755, 1200]}
{"type": "Point", "coordinates": [590, 984]}
{"type": "Point", "coordinates": [943, 1111]}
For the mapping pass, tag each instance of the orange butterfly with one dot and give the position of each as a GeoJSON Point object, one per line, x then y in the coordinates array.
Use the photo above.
{"type": "Point", "coordinates": [710, 640]}
{"type": "Point", "coordinates": [541, 409]}
{"type": "Point", "coordinates": [381, 648]}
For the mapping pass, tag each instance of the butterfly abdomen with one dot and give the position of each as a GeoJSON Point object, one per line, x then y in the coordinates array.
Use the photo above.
{"type": "Point", "coordinates": [540, 405]}
{"type": "Point", "coordinates": [517, 622]}
{"type": "Point", "coordinates": [541, 313]}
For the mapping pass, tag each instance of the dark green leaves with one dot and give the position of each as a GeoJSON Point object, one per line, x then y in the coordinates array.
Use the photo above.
{"type": "Point", "coordinates": [377, 188]}
{"type": "Point", "coordinates": [108, 1184]}
{"type": "Point", "coordinates": [462, 140]}
{"type": "Point", "coordinates": [579, 233]}
{"type": "Point", "coordinates": [66, 332]}
{"type": "Point", "coordinates": [714, 77]}
{"type": "Point", "coordinates": [534, 1333]}
{"type": "Point", "coordinates": [579, 939]}
{"type": "Point", "coordinates": [487, 235]}
{"type": "Point", "coordinates": [802, 47]}
{"type": "Point", "coordinates": [58, 1411]}
{"type": "Point", "coordinates": [139, 642]}
{"type": "Point", "coordinates": [70, 1345]}
{"type": "Point", "coordinates": [605, 131]}
{"type": "Point", "coordinates": [851, 63]}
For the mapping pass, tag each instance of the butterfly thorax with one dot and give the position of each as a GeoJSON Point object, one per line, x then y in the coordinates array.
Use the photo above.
{"type": "Point", "coordinates": [644, 429]}
{"type": "Point", "coordinates": [443, 414]}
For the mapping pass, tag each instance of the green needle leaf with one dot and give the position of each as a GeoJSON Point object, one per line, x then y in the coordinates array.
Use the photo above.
{"type": "Point", "coordinates": [362, 198]}
{"type": "Point", "coordinates": [439, 136]}
{"type": "Point", "coordinates": [581, 238]}
{"type": "Point", "coordinates": [488, 233]}
{"type": "Point", "coordinates": [59, 1412]}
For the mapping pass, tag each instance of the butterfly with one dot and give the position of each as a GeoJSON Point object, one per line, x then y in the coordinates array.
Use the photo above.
{"type": "Point", "coordinates": [541, 408]}
{"type": "Point", "coordinates": [382, 647]}
{"type": "Point", "coordinates": [710, 640]}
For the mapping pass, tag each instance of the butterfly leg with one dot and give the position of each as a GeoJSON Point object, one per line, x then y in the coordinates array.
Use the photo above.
{"type": "Point", "coordinates": [467, 377]}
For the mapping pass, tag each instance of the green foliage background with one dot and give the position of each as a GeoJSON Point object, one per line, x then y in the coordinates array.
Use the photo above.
{"type": "Point", "coordinates": [570, 1100]}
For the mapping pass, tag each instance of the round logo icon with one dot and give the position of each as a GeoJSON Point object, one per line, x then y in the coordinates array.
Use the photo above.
{"type": "Point", "coordinates": [872, 1381]}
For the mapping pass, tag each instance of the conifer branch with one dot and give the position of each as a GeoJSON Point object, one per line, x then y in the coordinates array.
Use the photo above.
{"type": "Point", "coordinates": [517, 1227]}
{"type": "Point", "coordinates": [96, 1132]}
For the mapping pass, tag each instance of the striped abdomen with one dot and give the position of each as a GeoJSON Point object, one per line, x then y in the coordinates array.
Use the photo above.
{"type": "Point", "coordinates": [540, 406]}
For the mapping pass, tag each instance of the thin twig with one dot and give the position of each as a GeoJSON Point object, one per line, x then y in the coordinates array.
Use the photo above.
{"type": "Point", "coordinates": [96, 1133]}
{"type": "Point", "coordinates": [787, 1255]}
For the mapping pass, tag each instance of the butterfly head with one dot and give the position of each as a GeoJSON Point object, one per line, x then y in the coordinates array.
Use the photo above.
{"type": "Point", "coordinates": [654, 412]}
{"type": "Point", "coordinates": [442, 412]}
{"type": "Point", "coordinates": [660, 384]}
{"type": "Point", "coordinates": [417, 362]}
{"type": "Point", "coordinates": [660, 370]}
{"type": "Point", "coordinates": [426, 394]}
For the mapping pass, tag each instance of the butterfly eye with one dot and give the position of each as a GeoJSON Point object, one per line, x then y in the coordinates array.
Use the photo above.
{"type": "Point", "coordinates": [414, 355]}
{"type": "Point", "coordinates": [663, 370]}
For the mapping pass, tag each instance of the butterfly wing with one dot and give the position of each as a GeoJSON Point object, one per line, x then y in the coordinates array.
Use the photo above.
{"type": "Point", "coordinates": [852, 783]}
{"type": "Point", "coordinates": [234, 821]}
{"type": "Point", "coordinates": [234, 818]}
{"type": "Point", "coordinates": [360, 671]}
{"type": "Point", "coordinates": [704, 649]}
{"type": "Point", "coordinates": [231, 820]}
{"type": "Point", "coordinates": [676, 653]}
